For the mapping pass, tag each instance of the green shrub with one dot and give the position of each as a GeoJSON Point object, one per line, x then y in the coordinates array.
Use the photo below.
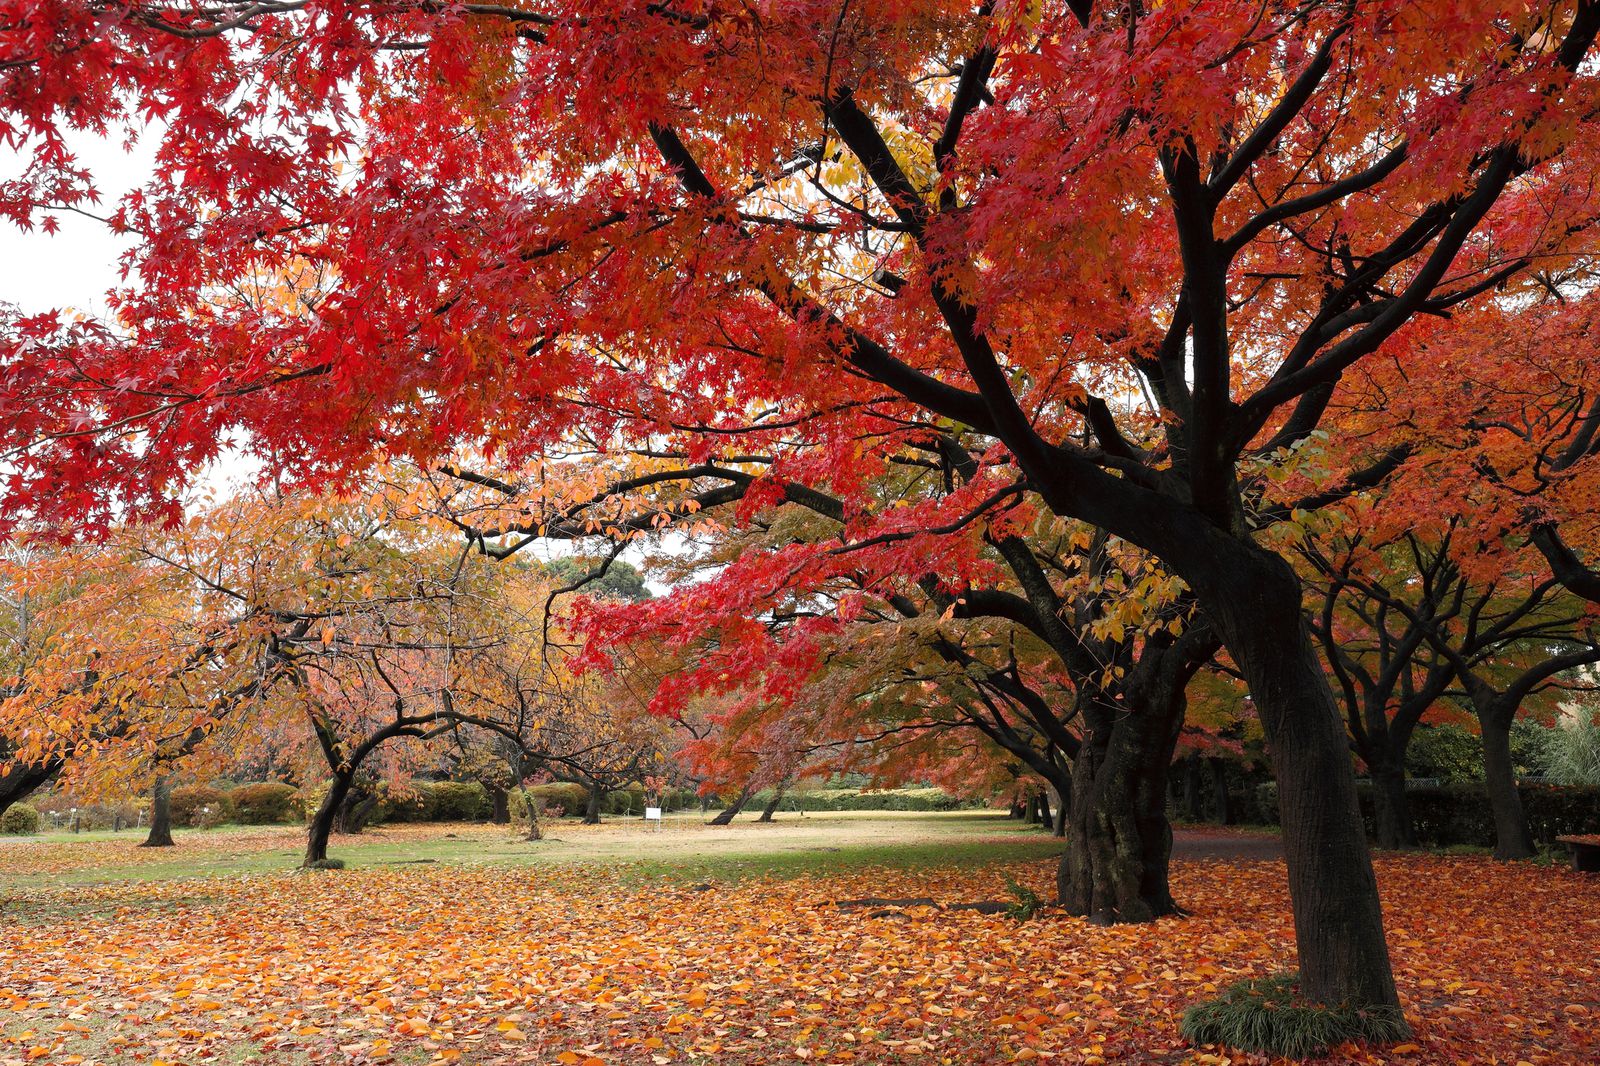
{"type": "Point", "coordinates": [1458, 814]}
{"type": "Point", "coordinates": [411, 803]}
{"type": "Point", "coordinates": [854, 799]}
{"type": "Point", "coordinates": [625, 801]}
{"type": "Point", "coordinates": [267, 803]}
{"type": "Point", "coordinates": [190, 801]}
{"type": "Point", "coordinates": [458, 801]}
{"type": "Point", "coordinates": [1262, 1015]}
{"type": "Point", "coordinates": [570, 797]}
{"type": "Point", "coordinates": [19, 820]}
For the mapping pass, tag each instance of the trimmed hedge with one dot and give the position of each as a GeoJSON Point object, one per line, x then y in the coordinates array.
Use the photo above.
{"type": "Point", "coordinates": [458, 801]}
{"type": "Point", "coordinates": [189, 801]}
{"type": "Point", "coordinates": [1458, 813]}
{"type": "Point", "coordinates": [569, 797]}
{"type": "Point", "coordinates": [19, 820]}
{"type": "Point", "coordinates": [266, 803]}
{"type": "Point", "coordinates": [850, 799]}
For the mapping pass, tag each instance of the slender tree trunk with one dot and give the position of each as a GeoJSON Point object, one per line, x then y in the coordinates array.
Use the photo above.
{"type": "Point", "coordinates": [1256, 603]}
{"type": "Point", "coordinates": [1221, 808]}
{"type": "Point", "coordinates": [321, 827]}
{"type": "Point", "coordinates": [1512, 840]}
{"type": "Point", "coordinates": [731, 811]}
{"type": "Point", "coordinates": [1191, 787]}
{"type": "Point", "coordinates": [772, 805]}
{"type": "Point", "coordinates": [160, 835]}
{"type": "Point", "coordinates": [531, 804]}
{"type": "Point", "coordinates": [591, 810]}
{"type": "Point", "coordinates": [1391, 810]}
{"type": "Point", "coordinates": [1058, 827]}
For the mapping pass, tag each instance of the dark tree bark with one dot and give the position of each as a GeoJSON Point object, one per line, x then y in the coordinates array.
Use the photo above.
{"type": "Point", "coordinates": [1512, 838]}
{"type": "Point", "coordinates": [359, 807]}
{"type": "Point", "coordinates": [1119, 847]}
{"type": "Point", "coordinates": [1221, 807]}
{"type": "Point", "coordinates": [591, 809]}
{"type": "Point", "coordinates": [1338, 920]}
{"type": "Point", "coordinates": [731, 811]}
{"type": "Point", "coordinates": [501, 801]}
{"type": "Point", "coordinates": [1191, 788]}
{"type": "Point", "coordinates": [1391, 810]}
{"type": "Point", "coordinates": [772, 805]}
{"type": "Point", "coordinates": [17, 780]}
{"type": "Point", "coordinates": [322, 823]}
{"type": "Point", "coordinates": [1119, 842]}
{"type": "Point", "coordinates": [160, 835]}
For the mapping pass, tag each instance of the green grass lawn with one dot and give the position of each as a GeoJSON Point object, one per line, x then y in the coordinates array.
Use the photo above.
{"type": "Point", "coordinates": [683, 849]}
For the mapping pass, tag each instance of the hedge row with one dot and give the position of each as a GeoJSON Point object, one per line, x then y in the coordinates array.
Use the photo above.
{"type": "Point", "coordinates": [851, 799]}
{"type": "Point", "coordinates": [1453, 814]}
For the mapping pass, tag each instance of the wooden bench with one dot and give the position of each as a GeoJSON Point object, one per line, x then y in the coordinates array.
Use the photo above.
{"type": "Point", "coordinates": [1585, 851]}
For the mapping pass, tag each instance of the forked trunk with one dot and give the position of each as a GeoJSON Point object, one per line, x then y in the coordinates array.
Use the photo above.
{"type": "Point", "coordinates": [1119, 841]}
{"type": "Point", "coordinates": [160, 835]}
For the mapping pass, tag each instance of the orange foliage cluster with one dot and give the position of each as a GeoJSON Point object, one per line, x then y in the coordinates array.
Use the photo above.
{"type": "Point", "coordinates": [498, 965]}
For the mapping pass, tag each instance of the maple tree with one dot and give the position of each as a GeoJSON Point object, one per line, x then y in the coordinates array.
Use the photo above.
{"type": "Point", "coordinates": [1134, 248]}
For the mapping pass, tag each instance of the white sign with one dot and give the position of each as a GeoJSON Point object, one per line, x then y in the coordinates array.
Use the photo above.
{"type": "Point", "coordinates": [652, 814]}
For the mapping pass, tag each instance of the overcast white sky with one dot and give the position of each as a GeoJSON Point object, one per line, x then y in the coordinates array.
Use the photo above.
{"type": "Point", "coordinates": [75, 266]}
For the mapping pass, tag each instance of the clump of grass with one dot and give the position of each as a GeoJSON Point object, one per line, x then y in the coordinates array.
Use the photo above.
{"type": "Point", "coordinates": [1264, 1015]}
{"type": "Point", "coordinates": [325, 864]}
{"type": "Point", "coordinates": [1027, 905]}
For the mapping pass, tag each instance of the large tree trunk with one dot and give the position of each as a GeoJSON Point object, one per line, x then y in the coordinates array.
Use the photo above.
{"type": "Point", "coordinates": [1512, 840]}
{"type": "Point", "coordinates": [359, 805]}
{"type": "Point", "coordinates": [772, 805]}
{"type": "Point", "coordinates": [1119, 846]}
{"type": "Point", "coordinates": [322, 822]}
{"type": "Point", "coordinates": [17, 779]}
{"type": "Point", "coordinates": [591, 810]}
{"type": "Point", "coordinates": [1390, 808]}
{"type": "Point", "coordinates": [501, 799]}
{"type": "Point", "coordinates": [1256, 603]}
{"type": "Point", "coordinates": [1058, 827]}
{"type": "Point", "coordinates": [160, 835]}
{"type": "Point", "coordinates": [731, 811]}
